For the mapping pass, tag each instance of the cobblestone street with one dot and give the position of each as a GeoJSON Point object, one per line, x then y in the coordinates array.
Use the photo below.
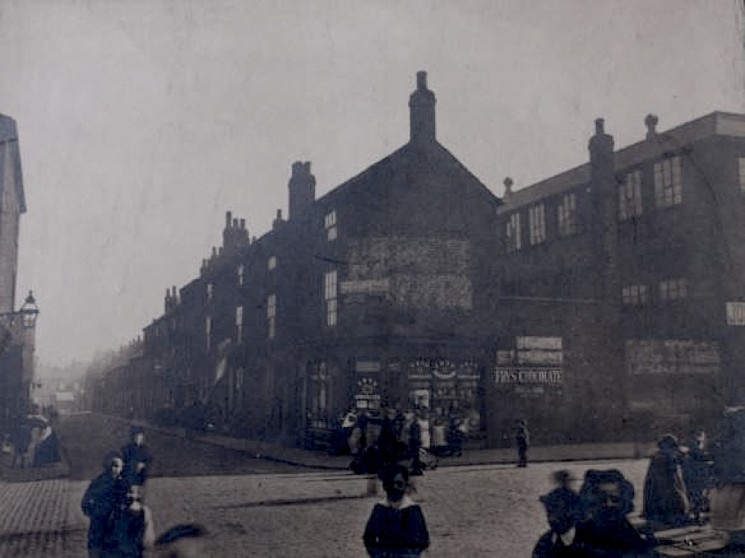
{"type": "Point", "coordinates": [488, 510]}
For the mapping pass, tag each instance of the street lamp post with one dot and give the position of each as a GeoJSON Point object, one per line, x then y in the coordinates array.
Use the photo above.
{"type": "Point", "coordinates": [17, 340]}
{"type": "Point", "coordinates": [29, 312]}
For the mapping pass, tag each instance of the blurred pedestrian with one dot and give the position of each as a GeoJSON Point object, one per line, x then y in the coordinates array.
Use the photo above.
{"type": "Point", "coordinates": [457, 432]}
{"type": "Point", "coordinates": [415, 446]}
{"type": "Point", "coordinates": [606, 498]}
{"type": "Point", "coordinates": [697, 470]}
{"type": "Point", "coordinates": [665, 499]}
{"type": "Point", "coordinates": [21, 443]}
{"type": "Point", "coordinates": [103, 495]}
{"type": "Point", "coordinates": [439, 441]}
{"type": "Point", "coordinates": [188, 540]}
{"type": "Point", "coordinates": [132, 530]}
{"type": "Point", "coordinates": [47, 450]}
{"type": "Point", "coordinates": [522, 440]}
{"type": "Point", "coordinates": [396, 527]}
{"type": "Point", "coordinates": [562, 514]}
{"type": "Point", "coordinates": [137, 458]}
{"type": "Point", "coordinates": [388, 439]}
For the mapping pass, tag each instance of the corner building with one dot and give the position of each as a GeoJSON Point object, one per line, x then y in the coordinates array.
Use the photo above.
{"type": "Point", "coordinates": [604, 303]}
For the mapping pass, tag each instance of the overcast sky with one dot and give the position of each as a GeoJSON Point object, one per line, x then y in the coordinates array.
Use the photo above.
{"type": "Point", "coordinates": [142, 122]}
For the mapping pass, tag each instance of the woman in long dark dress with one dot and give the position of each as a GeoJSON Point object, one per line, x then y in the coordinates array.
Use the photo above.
{"type": "Point", "coordinates": [665, 499]}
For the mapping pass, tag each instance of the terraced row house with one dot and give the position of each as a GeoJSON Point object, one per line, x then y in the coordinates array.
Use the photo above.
{"type": "Point", "coordinates": [605, 302]}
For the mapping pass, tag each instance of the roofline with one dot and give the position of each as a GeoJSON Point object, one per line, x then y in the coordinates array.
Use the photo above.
{"type": "Point", "coordinates": [711, 124]}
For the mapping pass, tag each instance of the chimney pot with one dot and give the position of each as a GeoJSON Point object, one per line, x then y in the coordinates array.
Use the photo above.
{"type": "Point", "coordinates": [421, 80]}
{"type": "Point", "coordinates": [651, 122]}
{"type": "Point", "coordinates": [599, 126]}
{"type": "Point", "coordinates": [422, 111]}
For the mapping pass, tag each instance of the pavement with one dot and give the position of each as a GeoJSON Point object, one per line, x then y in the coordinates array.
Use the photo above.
{"type": "Point", "coordinates": [470, 456]}
{"type": "Point", "coordinates": [322, 460]}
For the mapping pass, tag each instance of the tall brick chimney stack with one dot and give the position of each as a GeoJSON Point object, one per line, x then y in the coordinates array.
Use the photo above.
{"type": "Point", "coordinates": [422, 111]}
{"type": "Point", "coordinates": [302, 187]}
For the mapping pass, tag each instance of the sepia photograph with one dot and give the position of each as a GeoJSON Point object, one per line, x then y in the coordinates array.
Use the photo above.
{"type": "Point", "coordinates": [372, 278]}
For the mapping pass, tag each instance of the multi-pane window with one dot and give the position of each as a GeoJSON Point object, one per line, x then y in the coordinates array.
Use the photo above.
{"type": "Point", "coordinates": [566, 213]}
{"type": "Point", "coordinates": [330, 296]}
{"type": "Point", "coordinates": [537, 223]}
{"type": "Point", "coordinates": [513, 241]}
{"type": "Point", "coordinates": [329, 224]}
{"type": "Point", "coordinates": [208, 332]}
{"type": "Point", "coordinates": [271, 315]}
{"type": "Point", "coordinates": [271, 263]}
{"type": "Point", "coordinates": [668, 187]}
{"type": "Point", "coordinates": [741, 162]}
{"type": "Point", "coordinates": [239, 324]}
{"type": "Point", "coordinates": [210, 291]}
{"type": "Point", "coordinates": [673, 289]}
{"type": "Point", "coordinates": [634, 295]}
{"type": "Point", "coordinates": [241, 274]}
{"type": "Point", "coordinates": [630, 196]}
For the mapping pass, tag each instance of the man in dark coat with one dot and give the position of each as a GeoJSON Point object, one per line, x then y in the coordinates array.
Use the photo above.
{"type": "Point", "coordinates": [396, 528]}
{"type": "Point", "coordinates": [137, 458]}
{"type": "Point", "coordinates": [522, 440]}
{"type": "Point", "coordinates": [102, 497]}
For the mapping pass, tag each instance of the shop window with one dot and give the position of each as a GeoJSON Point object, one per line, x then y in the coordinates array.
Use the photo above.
{"type": "Point", "coordinates": [318, 396]}
{"type": "Point", "coordinates": [630, 196]}
{"type": "Point", "coordinates": [668, 188]}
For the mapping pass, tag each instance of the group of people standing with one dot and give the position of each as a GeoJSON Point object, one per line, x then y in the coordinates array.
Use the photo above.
{"type": "Point", "coordinates": [121, 525]}
{"type": "Point", "coordinates": [414, 436]}
{"type": "Point", "coordinates": [32, 441]}
{"type": "Point", "coordinates": [678, 480]}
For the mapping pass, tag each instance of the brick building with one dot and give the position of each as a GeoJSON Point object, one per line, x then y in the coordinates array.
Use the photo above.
{"type": "Point", "coordinates": [624, 278]}
{"type": "Point", "coordinates": [604, 302]}
{"type": "Point", "coordinates": [17, 328]}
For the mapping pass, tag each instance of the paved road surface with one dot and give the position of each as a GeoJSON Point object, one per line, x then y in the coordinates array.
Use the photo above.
{"type": "Point", "coordinates": [254, 507]}
{"type": "Point", "coordinates": [88, 437]}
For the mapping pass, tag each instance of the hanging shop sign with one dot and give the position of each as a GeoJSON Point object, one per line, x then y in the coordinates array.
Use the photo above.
{"type": "Point", "coordinates": [368, 394]}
